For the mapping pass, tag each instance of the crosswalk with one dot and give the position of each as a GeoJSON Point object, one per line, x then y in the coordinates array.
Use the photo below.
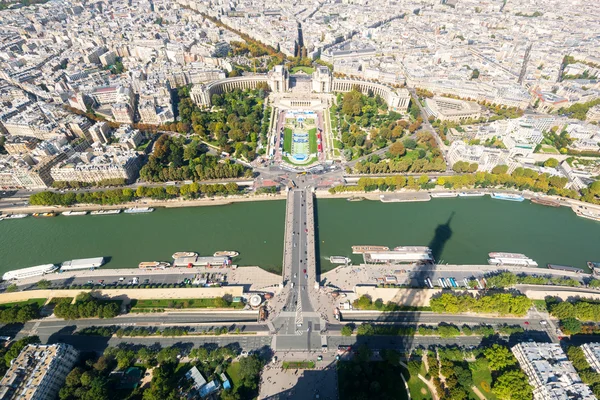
{"type": "Point", "coordinates": [299, 317]}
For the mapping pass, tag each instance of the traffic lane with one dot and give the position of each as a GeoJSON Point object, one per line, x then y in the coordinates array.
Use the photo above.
{"type": "Point", "coordinates": [408, 343]}
{"type": "Point", "coordinates": [99, 344]}
{"type": "Point", "coordinates": [114, 280]}
{"type": "Point", "coordinates": [430, 318]}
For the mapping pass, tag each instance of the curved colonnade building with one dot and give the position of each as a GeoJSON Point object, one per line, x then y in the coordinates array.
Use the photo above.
{"type": "Point", "coordinates": [321, 82]}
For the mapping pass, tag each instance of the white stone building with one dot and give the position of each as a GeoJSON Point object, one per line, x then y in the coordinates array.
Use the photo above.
{"type": "Point", "coordinates": [550, 372]}
{"type": "Point", "coordinates": [38, 372]}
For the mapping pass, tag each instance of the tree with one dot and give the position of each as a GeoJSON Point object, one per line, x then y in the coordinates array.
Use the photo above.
{"type": "Point", "coordinates": [125, 358]}
{"type": "Point", "coordinates": [570, 326]}
{"type": "Point", "coordinates": [499, 357]}
{"type": "Point", "coordinates": [563, 310]}
{"type": "Point", "coordinates": [11, 288]}
{"type": "Point", "coordinates": [347, 330]}
{"type": "Point", "coordinates": [500, 169]}
{"type": "Point", "coordinates": [167, 355]}
{"type": "Point", "coordinates": [397, 149]}
{"type": "Point", "coordinates": [17, 346]}
{"type": "Point", "coordinates": [551, 163]}
{"type": "Point", "coordinates": [44, 284]}
{"type": "Point", "coordinates": [250, 368]}
{"type": "Point", "coordinates": [512, 385]}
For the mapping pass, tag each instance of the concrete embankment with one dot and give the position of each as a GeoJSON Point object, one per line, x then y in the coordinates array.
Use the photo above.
{"type": "Point", "coordinates": [126, 294]}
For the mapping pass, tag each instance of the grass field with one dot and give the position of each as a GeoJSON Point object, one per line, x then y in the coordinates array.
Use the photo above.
{"type": "Point", "coordinates": [312, 140]}
{"type": "Point", "coordinates": [547, 149]}
{"type": "Point", "coordinates": [287, 140]}
{"type": "Point", "coordinates": [233, 373]}
{"type": "Point", "coordinates": [298, 364]}
{"type": "Point", "coordinates": [39, 302]}
{"type": "Point", "coordinates": [308, 70]}
{"type": "Point", "coordinates": [179, 303]}
{"type": "Point", "coordinates": [482, 378]}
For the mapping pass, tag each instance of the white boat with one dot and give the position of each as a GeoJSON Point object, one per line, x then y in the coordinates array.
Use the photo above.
{"type": "Point", "coordinates": [139, 210]}
{"type": "Point", "coordinates": [508, 196]}
{"type": "Point", "coordinates": [226, 254]}
{"type": "Point", "coordinates": [181, 254]}
{"type": "Point", "coordinates": [443, 194]}
{"type": "Point", "coordinates": [15, 216]}
{"type": "Point", "coordinates": [22, 273]}
{"type": "Point", "coordinates": [82, 263]}
{"type": "Point", "coordinates": [73, 213]}
{"type": "Point", "coordinates": [105, 212]}
{"type": "Point", "coordinates": [153, 264]}
{"type": "Point", "coordinates": [516, 259]}
{"type": "Point", "coordinates": [339, 260]}
{"type": "Point", "coordinates": [471, 194]}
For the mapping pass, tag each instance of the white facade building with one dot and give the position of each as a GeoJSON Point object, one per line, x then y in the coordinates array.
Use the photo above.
{"type": "Point", "coordinates": [550, 372]}
{"type": "Point", "coordinates": [38, 372]}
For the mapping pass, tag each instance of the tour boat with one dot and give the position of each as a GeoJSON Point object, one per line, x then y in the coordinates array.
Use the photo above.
{"type": "Point", "coordinates": [181, 254]}
{"type": "Point", "coordinates": [139, 210]}
{"type": "Point", "coordinates": [105, 212]}
{"type": "Point", "coordinates": [226, 254]}
{"type": "Point", "coordinates": [73, 213]}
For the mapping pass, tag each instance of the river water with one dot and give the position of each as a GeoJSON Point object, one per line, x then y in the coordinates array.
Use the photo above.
{"type": "Point", "coordinates": [459, 230]}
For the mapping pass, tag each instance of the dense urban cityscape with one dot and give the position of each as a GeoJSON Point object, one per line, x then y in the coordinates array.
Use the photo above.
{"type": "Point", "coordinates": [344, 199]}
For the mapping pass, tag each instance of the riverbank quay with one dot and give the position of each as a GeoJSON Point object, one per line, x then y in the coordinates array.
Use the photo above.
{"type": "Point", "coordinates": [250, 278]}
{"type": "Point", "coordinates": [402, 195]}
{"type": "Point", "coordinates": [174, 203]}
{"type": "Point", "coordinates": [348, 277]}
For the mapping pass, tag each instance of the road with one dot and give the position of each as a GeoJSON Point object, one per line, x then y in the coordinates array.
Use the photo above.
{"type": "Point", "coordinates": [427, 317]}
{"type": "Point", "coordinates": [297, 327]}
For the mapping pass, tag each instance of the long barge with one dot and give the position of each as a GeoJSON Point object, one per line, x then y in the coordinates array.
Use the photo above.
{"type": "Point", "coordinates": [545, 202]}
{"type": "Point", "coordinates": [82, 263]}
{"type": "Point", "coordinates": [368, 249]}
{"type": "Point", "coordinates": [567, 268]}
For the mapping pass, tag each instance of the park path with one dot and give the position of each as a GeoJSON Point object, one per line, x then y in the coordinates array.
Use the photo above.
{"type": "Point", "coordinates": [478, 393]}
{"type": "Point", "coordinates": [426, 382]}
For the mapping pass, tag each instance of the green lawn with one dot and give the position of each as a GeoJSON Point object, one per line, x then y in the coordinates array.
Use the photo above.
{"type": "Point", "coordinates": [287, 140]}
{"type": "Point", "coordinates": [61, 300]}
{"type": "Point", "coordinates": [312, 140]}
{"type": "Point", "coordinates": [298, 364]}
{"type": "Point", "coordinates": [540, 305]}
{"type": "Point", "coordinates": [40, 302]}
{"type": "Point", "coordinates": [179, 303]}
{"type": "Point", "coordinates": [482, 378]}
{"type": "Point", "coordinates": [233, 373]}
{"type": "Point", "coordinates": [307, 70]}
{"type": "Point", "coordinates": [547, 149]}
{"type": "Point", "coordinates": [334, 120]}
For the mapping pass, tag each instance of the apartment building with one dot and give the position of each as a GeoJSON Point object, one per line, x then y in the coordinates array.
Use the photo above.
{"type": "Point", "coordinates": [550, 372]}
{"type": "Point", "coordinates": [38, 372]}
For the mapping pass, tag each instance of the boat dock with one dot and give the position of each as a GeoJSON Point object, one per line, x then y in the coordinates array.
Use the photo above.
{"type": "Point", "coordinates": [200, 261]}
{"type": "Point", "coordinates": [404, 197]}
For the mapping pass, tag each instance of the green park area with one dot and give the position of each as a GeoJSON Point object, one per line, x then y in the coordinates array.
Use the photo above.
{"type": "Point", "coordinates": [307, 70]}
{"type": "Point", "coordinates": [217, 302]}
{"type": "Point", "coordinates": [39, 302]}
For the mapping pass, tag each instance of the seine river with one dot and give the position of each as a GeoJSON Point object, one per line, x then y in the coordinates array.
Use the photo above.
{"type": "Point", "coordinates": [459, 230]}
